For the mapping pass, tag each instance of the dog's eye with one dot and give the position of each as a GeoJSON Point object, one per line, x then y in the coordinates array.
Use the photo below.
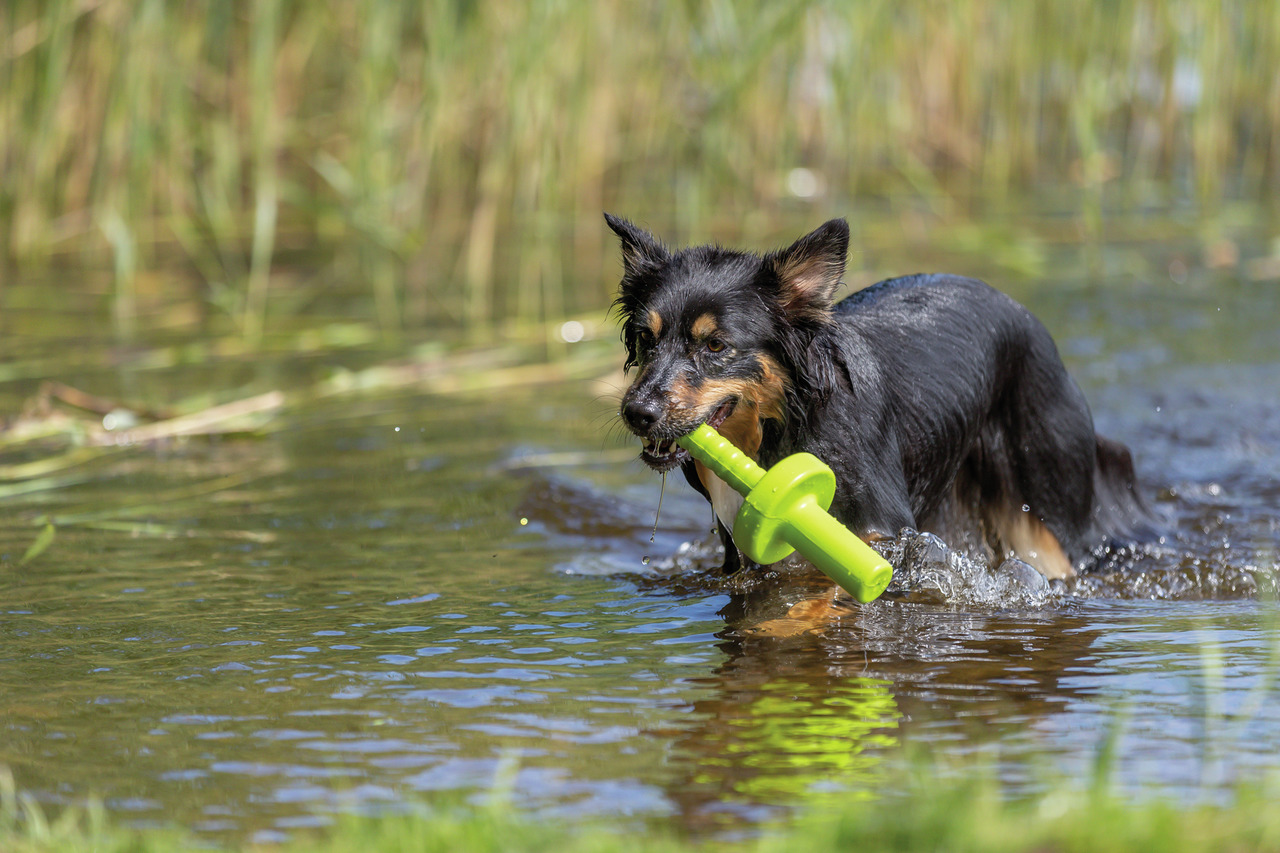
{"type": "Point", "coordinates": [716, 345]}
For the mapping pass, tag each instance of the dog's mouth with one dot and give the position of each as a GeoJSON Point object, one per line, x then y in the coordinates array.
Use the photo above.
{"type": "Point", "coordinates": [663, 454]}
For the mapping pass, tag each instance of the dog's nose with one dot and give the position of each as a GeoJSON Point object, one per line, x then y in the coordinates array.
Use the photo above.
{"type": "Point", "coordinates": [641, 414]}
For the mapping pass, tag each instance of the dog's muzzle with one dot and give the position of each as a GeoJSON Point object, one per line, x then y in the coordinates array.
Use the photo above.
{"type": "Point", "coordinates": [658, 431]}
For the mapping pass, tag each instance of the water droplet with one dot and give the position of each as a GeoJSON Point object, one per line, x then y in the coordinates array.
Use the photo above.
{"type": "Point", "coordinates": [523, 522]}
{"type": "Point", "coordinates": [1026, 508]}
{"type": "Point", "coordinates": [645, 559]}
{"type": "Point", "coordinates": [662, 491]}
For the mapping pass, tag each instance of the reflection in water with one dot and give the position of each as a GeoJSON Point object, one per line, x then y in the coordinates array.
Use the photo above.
{"type": "Point", "coordinates": [807, 708]}
{"type": "Point", "coordinates": [785, 742]}
{"type": "Point", "coordinates": [772, 733]}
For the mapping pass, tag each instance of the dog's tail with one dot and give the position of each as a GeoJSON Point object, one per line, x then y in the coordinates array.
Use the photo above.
{"type": "Point", "coordinates": [1120, 515]}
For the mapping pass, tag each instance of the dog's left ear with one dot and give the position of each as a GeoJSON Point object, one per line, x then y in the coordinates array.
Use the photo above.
{"type": "Point", "coordinates": [809, 270]}
{"type": "Point", "coordinates": [641, 251]}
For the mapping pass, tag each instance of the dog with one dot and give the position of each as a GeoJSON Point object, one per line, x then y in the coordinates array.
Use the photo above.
{"type": "Point", "coordinates": [941, 403]}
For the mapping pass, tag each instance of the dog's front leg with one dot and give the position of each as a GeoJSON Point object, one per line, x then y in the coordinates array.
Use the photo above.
{"type": "Point", "coordinates": [733, 559]}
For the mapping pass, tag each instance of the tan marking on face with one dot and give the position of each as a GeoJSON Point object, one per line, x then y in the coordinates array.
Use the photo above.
{"type": "Point", "coordinates": [772, 399]}
{"type": "Point", "coordinates": [703, 401]}
{"type": "Point", "coordinates": [763, 398]}
{"type": "Point", "coordinates": [743, 427]}
{"type": "Point", "coordinates": [681, 393]}
{"type": "Point", "coordinates": [704, 327]}
{"type": "Point", "coordinates": [1030, 540]}
{"type": "Point", "coordinates": [654, 322]}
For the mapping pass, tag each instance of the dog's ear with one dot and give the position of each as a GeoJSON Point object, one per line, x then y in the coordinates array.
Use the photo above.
{"type": "Point", "coordinates": [642, 256]}
{"type": "Point", "coordinates": [809, 270]}
{"type": "Point", "coordinates": [641, 251]}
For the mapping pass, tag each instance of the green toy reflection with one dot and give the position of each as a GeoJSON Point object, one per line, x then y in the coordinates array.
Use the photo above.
{"type": "Point", "coordinates": [792, 740]}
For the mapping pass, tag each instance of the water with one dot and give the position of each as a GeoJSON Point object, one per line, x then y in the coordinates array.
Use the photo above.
{"type": "Point", "coordinates": [391, 599]}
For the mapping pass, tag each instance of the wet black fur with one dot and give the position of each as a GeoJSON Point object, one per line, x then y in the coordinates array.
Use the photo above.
{"type": "Point", "coordinates": [936, 399]}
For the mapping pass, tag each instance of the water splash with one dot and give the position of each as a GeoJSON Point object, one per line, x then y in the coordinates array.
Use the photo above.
{"type": "Point", "coordinates": [1219, 546]}
{"type": "Point", "coordinates": [926, 568]}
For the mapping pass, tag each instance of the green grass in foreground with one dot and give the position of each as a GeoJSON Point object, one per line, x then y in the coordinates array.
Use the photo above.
{"type": "Point", "coordinates": [970, 815]}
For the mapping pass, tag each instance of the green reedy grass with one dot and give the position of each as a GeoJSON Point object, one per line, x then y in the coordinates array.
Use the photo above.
{"type": "Point", "coordinates": [454, 157]}
{"type": "Point", "coordinates": [971, 815]}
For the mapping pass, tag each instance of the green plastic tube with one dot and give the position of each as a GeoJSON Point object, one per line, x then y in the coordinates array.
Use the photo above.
{"type": "Point", "coordinates": [785, 510]}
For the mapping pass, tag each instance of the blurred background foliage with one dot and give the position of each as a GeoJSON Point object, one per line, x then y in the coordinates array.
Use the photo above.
{"type": "Point", "coordinates": [451, 158]}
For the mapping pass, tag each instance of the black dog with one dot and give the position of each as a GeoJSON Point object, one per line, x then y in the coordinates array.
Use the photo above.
{"type": "Point", "coordinates": [941, 403]}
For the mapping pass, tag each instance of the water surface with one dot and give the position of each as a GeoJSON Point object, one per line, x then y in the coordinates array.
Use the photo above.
{"type": "Point", "coordinates": [390, 599]}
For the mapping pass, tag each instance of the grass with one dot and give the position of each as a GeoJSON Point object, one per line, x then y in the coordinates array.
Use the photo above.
{"type": "Point", "coordinates": [453, 157]}
{"type": "Point", "coordinates": [972, 815]}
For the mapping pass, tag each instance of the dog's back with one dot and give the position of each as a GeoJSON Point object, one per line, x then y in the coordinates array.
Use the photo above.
{"type": "Point", "coordinates": [950, 410]}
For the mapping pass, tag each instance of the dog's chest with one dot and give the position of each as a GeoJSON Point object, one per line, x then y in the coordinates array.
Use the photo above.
{"type": "Point", "coordinates": [724, 499]}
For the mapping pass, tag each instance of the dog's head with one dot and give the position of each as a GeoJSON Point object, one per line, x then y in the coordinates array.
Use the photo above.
{"type": "Point", "coordinates": [710, 331]}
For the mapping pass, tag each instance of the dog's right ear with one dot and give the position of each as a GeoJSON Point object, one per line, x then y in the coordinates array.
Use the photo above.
{"type": "Point", "coordinates": [809, 270]}
{"type": "Point", "coordinates": [641, 251]}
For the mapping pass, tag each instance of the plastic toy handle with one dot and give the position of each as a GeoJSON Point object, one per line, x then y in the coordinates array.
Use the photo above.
{"type": "Point", "coordinates": [724, 458]}
{"type": "Point", "coordinates": [785, 509]}
{"type": "Point", "coordinates": [838, 552]}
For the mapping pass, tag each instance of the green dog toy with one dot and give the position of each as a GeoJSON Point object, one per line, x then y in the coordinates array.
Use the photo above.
{"type": "Point", "coordinates": [786, 510]}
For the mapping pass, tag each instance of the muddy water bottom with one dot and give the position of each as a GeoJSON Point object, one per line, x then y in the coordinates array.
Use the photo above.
{"type": "Point", "coordinates": [400, 600]}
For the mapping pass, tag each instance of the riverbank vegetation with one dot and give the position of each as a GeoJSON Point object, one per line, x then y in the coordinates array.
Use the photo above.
{"type": "Point", "coordinates": [452, 158]}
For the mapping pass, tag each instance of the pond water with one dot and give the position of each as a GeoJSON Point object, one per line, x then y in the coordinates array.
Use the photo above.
{"type": "Point", "coordinates": [396, 598]}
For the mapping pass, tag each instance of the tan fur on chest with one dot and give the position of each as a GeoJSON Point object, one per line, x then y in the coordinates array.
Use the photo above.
{"type": "Point", "coordinates": [743, 429]}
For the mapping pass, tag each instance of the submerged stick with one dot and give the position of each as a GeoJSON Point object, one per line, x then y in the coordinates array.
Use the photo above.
{"type": "Point", "coordinates": [786, 510]}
